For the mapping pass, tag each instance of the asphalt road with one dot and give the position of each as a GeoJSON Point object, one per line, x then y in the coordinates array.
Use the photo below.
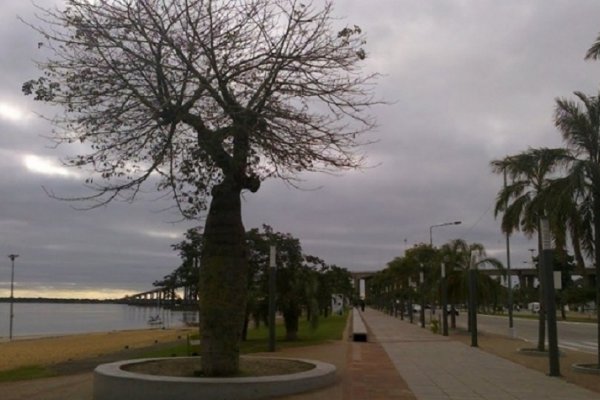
{"type": "Point", "coordinates": [580, 336]}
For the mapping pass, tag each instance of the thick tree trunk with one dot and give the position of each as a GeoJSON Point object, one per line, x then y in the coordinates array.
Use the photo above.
{"type": "Point", "coordinates": [223, 288]}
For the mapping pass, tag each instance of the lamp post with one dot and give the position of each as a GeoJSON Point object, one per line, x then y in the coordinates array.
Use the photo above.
{"type": "Point", "coordinates": [438, 225]}
{"type": "Point", "coordinates": [444, 311]}
{"type": "Point", "coordinates": [511, 326]}
{"type": "Point", "coordinates": [272, 271]}
{"type": "Point", "coordinates": [546, 266]}
{"type": "Point", "coordinates": [444, 301]}
{"type": "Point", "coordinates": [12, 285]}
{"type": "Point", "coordinates": [422, 287]}
{"type": "Point", "coordinates": [410, 300]}
{"type": "Point", "coordinates": [473, 299]}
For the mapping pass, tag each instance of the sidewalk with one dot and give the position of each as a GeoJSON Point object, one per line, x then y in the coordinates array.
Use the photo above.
{"type": "Point", "coordinates": [436, 368]}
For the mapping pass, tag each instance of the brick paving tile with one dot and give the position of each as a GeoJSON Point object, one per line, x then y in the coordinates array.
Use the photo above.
{"type": "Point", "coordinates": [370, 375]}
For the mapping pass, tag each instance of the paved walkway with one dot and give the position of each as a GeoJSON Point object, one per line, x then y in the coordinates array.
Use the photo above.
{"type": "Point", "coordinates": [436, 368]}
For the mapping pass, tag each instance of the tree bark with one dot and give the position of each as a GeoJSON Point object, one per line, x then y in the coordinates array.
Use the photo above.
{"type": "Point", "coordinates": [223, 288]}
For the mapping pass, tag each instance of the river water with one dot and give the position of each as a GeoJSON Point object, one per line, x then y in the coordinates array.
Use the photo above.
{"type": "Point", "coordinates": [49, 319]}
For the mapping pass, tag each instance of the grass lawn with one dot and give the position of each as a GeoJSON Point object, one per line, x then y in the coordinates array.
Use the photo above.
{"type": "Point", "coordinates": [23, 373]}
{"type": "Point", "coordinates": [331, 328]}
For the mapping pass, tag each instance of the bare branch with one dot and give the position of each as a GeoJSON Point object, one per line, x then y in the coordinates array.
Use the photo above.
{"type": "Point", "coordinates": [182, 94]}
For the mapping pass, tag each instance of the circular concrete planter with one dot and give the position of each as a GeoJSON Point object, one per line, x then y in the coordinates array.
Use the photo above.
{"type": "Point", "coordinates": [112, 382]}
{"type": "Point", "coordinates": [586, 368]}
{"type": "Point", "coordinates": [532, 351]}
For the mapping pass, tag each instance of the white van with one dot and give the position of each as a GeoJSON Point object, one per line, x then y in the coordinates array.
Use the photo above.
{"type": "Point", "coordinates": [534, 307]}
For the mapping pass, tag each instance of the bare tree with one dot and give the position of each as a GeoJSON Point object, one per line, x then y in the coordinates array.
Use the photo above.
{"type": "Point", "coordinates": [205, 99]}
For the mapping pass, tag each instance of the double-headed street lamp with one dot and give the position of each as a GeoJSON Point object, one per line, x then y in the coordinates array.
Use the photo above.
{"type": "Point", "coordinates": [12, 284]}
{"type": "Point", "coordinates": [438, 225]}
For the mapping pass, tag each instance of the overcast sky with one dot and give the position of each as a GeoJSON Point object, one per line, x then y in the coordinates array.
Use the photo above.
{"type": "Point", "coordinates": [467, 82]}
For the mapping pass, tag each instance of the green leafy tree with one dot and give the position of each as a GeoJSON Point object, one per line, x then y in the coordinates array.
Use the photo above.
{"type": "Point", "coordinates": [293, 280]}
{"type": "Point", "coordinates": [405, 274]}
{"type": "Point", "coordinates": [204, 99]}
{"type": "Point", "coordinates": [333, 280]}
{"type": "Point", "coordinates": [257, 306]}
{"type": "Point", "coordinates": [422, 258]}
{"type": "Point", "coordinates": [188, 273]}
{"type": "Point", "coordinates": [297, 284]}
{"type": "Point", "coordinates": [400, 280]}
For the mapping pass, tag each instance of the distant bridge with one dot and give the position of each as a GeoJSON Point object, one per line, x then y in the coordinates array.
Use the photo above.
{"type": "Point", "coordinates": [161, 297]}
{"type": "Point", "coordinates": [527, 276]}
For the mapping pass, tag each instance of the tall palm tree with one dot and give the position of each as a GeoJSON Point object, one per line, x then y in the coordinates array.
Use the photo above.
{"type": "Point", "coordinates": [579, 123]}
{"type": "Point", "coordinates": [572, 213]}
{"type": "Point", "coordinates": [456, 255]}
{"type": "Point", "coordinates": [523, 203]}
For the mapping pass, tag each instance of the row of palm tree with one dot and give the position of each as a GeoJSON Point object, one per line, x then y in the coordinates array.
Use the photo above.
{"type": "Point", "coordinates": [561, 185]}
{"type": "Point", "coordinates": [398, 285]}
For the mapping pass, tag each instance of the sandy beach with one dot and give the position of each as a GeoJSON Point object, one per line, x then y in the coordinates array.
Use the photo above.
{"type": "Point", "coordinates": [52, 350]}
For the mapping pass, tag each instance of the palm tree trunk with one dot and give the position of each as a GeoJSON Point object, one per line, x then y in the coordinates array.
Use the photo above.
{"type": "Point", "coordinates": [222, 286]}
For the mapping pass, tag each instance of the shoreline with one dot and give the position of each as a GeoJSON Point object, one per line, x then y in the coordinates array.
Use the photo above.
{"type": "Point", "coordinates": [5, 339]}
{"type": "Point", "coordinates": [56, 349]}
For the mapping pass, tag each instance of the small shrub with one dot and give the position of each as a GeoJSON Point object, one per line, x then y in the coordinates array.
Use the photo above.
{"type": "Point", "coordinates": [434, 325]}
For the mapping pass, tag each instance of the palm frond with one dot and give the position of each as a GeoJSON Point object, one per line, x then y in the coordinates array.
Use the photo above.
{"type": "Point", "coordinates": [593, 52]}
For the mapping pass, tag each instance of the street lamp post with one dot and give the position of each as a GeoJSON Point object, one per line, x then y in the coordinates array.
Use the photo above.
{"type": "Point", "coordinates": [444, 305]}
{"type": "Point", "coordinates": [546, 266]}
{"type": "Point", "coordinates": [422, 287]}
{"type": "Point", "coordinates": [444, 301]}
{"type": "Point", "coordinates": [511, 326]}
{"type": "Point", "coordinates": [410, 300]}
{"type": "Point", "coordinates": [12, 285]}
{"type": "Point", "coordinates": [438, 225]}
{"type": "Point", "coordinates": [473, 299]}
{"type": "Point", "coordinates": [272, 288]}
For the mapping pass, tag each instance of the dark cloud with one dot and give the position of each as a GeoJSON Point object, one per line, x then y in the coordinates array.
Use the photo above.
{"type": "Point", "coordinates": [467, 82]}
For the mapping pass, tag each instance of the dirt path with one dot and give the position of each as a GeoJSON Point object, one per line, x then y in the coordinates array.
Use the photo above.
{"type": "Point", "coordinates": [507, 348]}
